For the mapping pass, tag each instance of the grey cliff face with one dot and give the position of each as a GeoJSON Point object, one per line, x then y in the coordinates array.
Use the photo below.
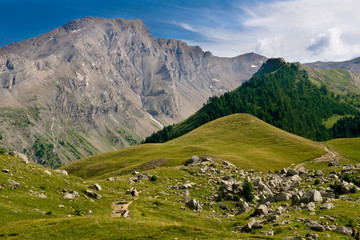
{"type": "Point", "coordinates": [108, 82]}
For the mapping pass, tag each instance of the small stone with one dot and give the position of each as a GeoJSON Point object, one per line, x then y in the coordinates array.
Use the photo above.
{"type": "Point", "coordinates": [6, 171]}
{"type": "Point", "coordinates": [61, 206]}
{"type": "Point", "coordinates": [42, 195]}
{"type": "Point", "coordinates": [327, 206]}
{"type": "Point", "coordinates": [47, 172]}
{"type": "Point", "coordinates": [90, 211]}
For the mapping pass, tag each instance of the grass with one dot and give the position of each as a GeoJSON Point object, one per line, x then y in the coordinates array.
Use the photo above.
{"type": "Point", "coordinates": [347, 147]}
{"type": "Point", "coordinates": [329, 123]}
{"type": "Point", "coordinates": [339, 81]}
{"type": "Point", "coordinates": [241, 139]}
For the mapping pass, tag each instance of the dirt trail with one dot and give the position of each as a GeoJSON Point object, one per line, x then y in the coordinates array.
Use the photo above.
{"type": "Point", "coordinates": [328, 157]}
{"type": "Point", "coordinates": [116, 206]}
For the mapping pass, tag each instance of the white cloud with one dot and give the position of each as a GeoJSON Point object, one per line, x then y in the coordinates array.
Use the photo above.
{"type": "Point", "coordinates": [298, 30]}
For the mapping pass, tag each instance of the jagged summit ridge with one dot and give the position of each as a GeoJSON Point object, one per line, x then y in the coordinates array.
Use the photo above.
{"type": "Point", "coordinates": [111, 80]}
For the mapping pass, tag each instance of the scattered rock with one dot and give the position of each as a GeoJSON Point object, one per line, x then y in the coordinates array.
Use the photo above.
{"type": "Point", "coordinates": [6, 171]}
{"type": "Point", "coordinates": [47, 172]}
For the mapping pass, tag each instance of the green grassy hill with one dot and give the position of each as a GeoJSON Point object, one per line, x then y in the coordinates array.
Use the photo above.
{"type": "Point", "coordinates": [158, 213]}
{"type": "Point", "coordinates": [242, 139]}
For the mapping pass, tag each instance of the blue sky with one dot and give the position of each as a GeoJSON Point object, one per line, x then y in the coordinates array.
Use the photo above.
{"type": "Point", "coordinates": [298, 30]}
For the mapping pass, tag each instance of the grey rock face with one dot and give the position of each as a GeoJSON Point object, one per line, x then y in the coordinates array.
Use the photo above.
{"type": "Point", "coordinates": [110, 77]}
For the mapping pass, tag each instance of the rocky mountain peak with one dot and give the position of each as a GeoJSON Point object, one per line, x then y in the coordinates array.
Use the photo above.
{"type": "Point", "coordinates": [110, 81]}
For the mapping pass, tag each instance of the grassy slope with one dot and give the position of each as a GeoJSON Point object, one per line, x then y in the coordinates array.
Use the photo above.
{"type": "Point", "coordinates": [339, 81]}
{"type": "Point", "coordinates": [23, 215]}
{"type": "Point", "coordinates": [241, 139]}
{"type": "Point", "coordinates": [347, 147]}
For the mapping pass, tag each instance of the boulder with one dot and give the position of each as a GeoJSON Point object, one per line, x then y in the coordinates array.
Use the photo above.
{"type": "Point", "coordinates": [345, 187]}
{"type": "Point", "coordinates": [301, 197]}
{"type": "Point", "coordinates": [319, 173]}
{"type": "Point", "coordinates": [291, 172]}
{"type": "Point", "coordinates": [261, 210]}
{"type": "Point", "coordinates": [252, 225]}
{"type": "Point", "coordinates": [270, 232]}
{"type": "Point", "coordinates": [327, 206]}
{"type": "Point", "coordinates": [194, 205]}
{"type": "Point", "coordinates": [92, 194]}
{"type": "Point", "coordinates": [14, 184]}
{"type": "Point", "coordinates": [68, 196]}
{"type": "Point", "coordinates": [96, 187]}
{"type": "Point", "coordinates": [6, 171]}
{"type": "Point", "coordinates": [42, 195]}
{"type": "Point", "coordinates": [347, 168]}
{"type": "Point", "coordinates": [334, 163]}
{"type": "Point", "coordinates": [344, 230]}
{"type": "Point", "coordinates": [316, 227]}
{"type": "Point", "coordinates": [281, 197]}
{"type": "Point", "coordinates": [226, 163]}
{"type": "Point", "coordinates": [47, 172]}
{"type": "Point", "coordinates": [64, 172]}
{"type": "Point", "coordinates": [327, 195]}
{"type": "Point", "coordinates": [311, 236]}
{"type": "Point", "coordinates": [193, 161]}
{"type": "Point", "coordinates": [283, 171]}
{"type": "Point", "coordinates": [19, 155]}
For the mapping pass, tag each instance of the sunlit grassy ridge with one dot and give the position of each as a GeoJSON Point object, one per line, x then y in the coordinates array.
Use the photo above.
{"type": "Point", "coordinates": [241, 139]}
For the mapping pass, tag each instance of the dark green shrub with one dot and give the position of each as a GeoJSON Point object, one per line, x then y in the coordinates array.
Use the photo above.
{"type": "Point", "coordinates": [153, 178]}
{"type": "Point", "coordinates": [236, 198]}
{"type": "Point", "coordinates": [317, 181]}
{"type": "Point", "coordinates": [248, 191]}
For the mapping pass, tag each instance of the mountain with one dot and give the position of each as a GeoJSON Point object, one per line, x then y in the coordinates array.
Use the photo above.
{"type": "Point", "coordinates": [242, 139]}
{"type": "Point", "coordinates": [353, 65]}
{"type": "Point", "coordinates": [95, 85]}
{"type": "Point", "coordinates": [281, 94]}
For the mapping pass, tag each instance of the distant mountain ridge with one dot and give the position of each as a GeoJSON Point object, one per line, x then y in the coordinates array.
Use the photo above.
{"type": "Point", "coordinates": [95, 84]}
{"type": "Point", "coordinates": [280, 94]}
{"type": "Point", "coordinates": [353, 65]}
